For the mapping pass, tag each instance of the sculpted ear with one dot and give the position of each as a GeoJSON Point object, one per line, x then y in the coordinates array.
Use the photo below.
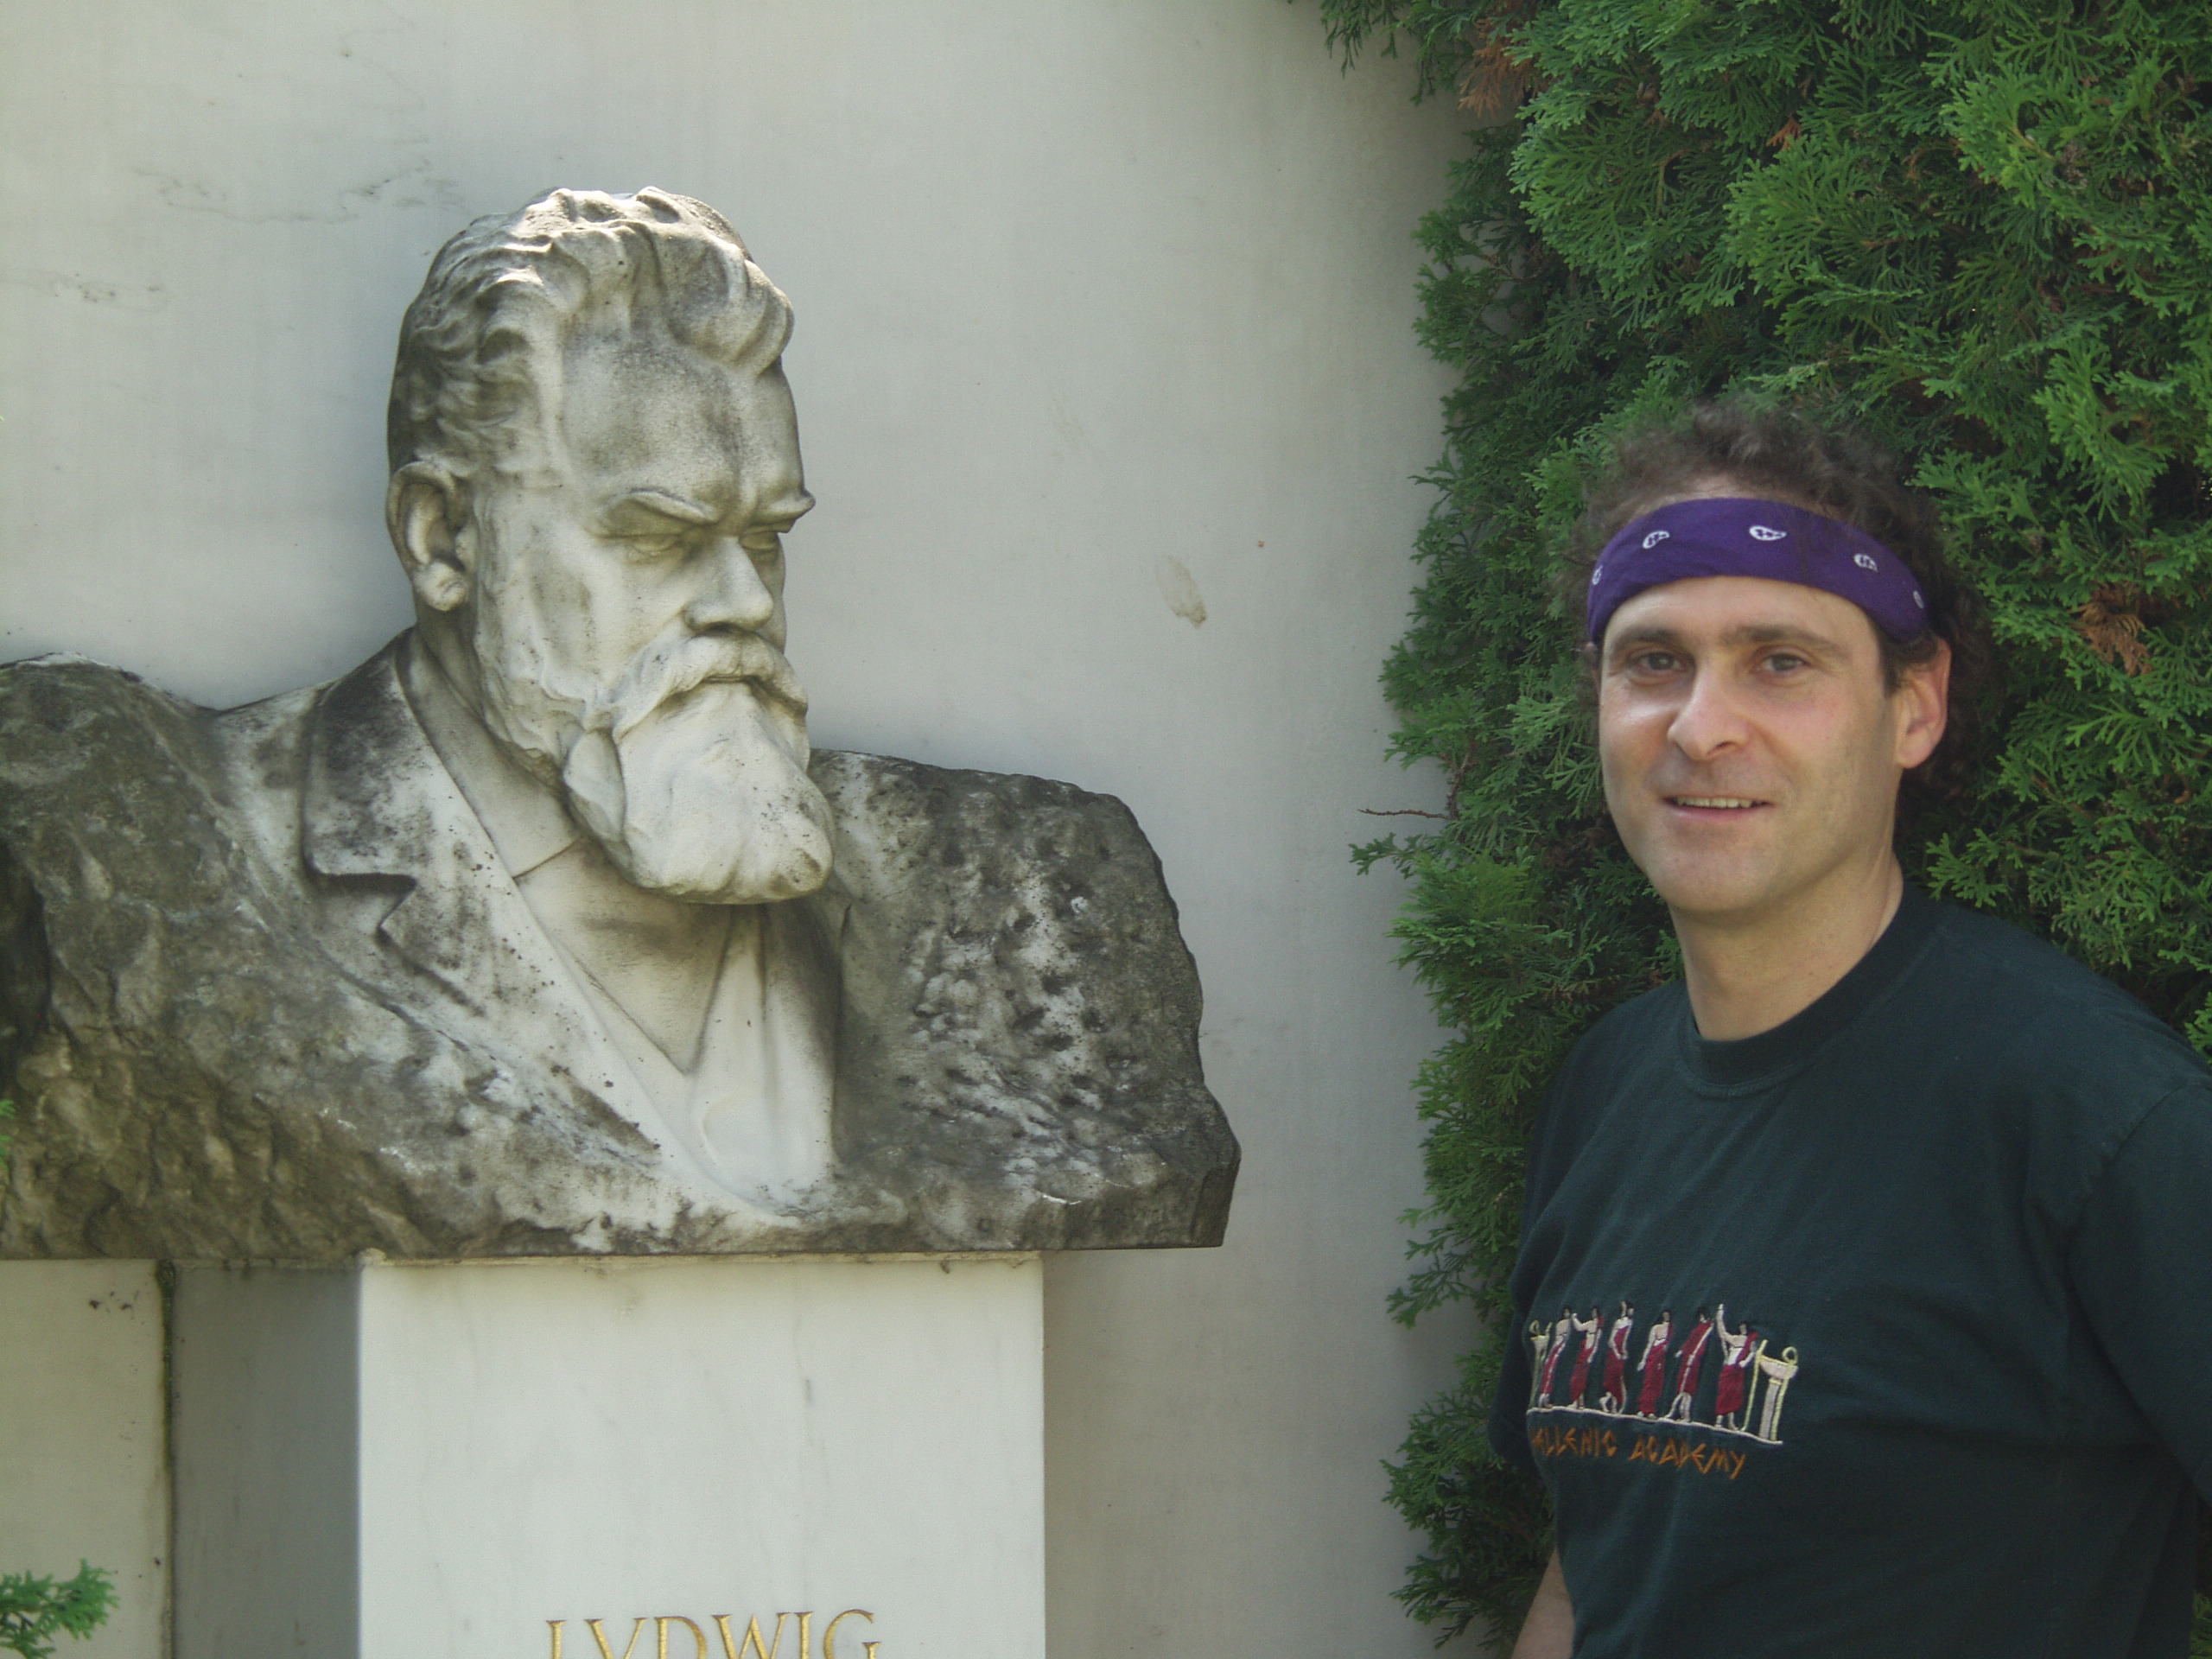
{"type": "Point", "coordinates": [426, 510]}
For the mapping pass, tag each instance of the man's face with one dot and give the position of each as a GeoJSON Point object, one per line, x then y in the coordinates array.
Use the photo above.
{"type": "Point", "coordinates": [628, 621]}
{"type": "Point", "coordinates": [1751, 753]}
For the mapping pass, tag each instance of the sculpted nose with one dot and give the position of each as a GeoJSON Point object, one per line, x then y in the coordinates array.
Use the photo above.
{"type": "Point", "coordinates": [736, 596]}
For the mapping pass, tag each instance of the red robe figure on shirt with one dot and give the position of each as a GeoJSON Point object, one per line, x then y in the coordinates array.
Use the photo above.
{"type": "Point", "coordinates": [1654, 1365]}
{"type": "Point", "coordinates": [1560, 1332]}
{"type": "Point", "coordinates": [1588, 1330]}
{"type": "Point", "coordinates": [1733, 1388]}
{"type": "Point", "coordinates": [1685, 1374]}
{"type": "Point", "coordinates": [1616, 1396]}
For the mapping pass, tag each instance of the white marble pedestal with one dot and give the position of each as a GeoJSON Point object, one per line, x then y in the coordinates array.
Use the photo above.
{"type": "Point", "coordinates": [514, 1460]}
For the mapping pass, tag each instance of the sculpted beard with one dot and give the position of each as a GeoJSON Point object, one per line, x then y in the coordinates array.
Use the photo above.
{"type": "Point", "coordinates": [690, 772]}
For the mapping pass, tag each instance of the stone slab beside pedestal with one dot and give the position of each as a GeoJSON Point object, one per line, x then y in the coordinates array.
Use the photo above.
{"type": "Point", "coordinates": [83, 1469]}
{"type": "Point", "coordinates": [456, 1461]}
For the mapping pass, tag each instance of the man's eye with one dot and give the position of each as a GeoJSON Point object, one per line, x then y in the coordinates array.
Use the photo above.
{"type": "Point", "coordinates": [764, 543]}
{"type": "Point", "coordinates": [1785, 662]}
{"type": "Point", "coordinates": [1653, 662]}
{"type": "Point", "coordinates": [656, 547]}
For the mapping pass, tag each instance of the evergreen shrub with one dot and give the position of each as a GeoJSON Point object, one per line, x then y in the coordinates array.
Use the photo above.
{"type": "Point", "coordinates": [1980, 230]}
{"type": "Point", "coordinates": [34, 1610]}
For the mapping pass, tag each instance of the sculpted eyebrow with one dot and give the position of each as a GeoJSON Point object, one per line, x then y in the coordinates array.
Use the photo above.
{"type": "Point", "coordinates": [669, 505]}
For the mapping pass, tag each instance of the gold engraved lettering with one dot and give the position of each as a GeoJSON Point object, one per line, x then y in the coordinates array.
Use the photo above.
{"type": "Point", "coordinates": [600, 1637]}
{"type": "Point", "coordinates": [829, 1631]}
{"type": "Point", "coordinates": [751, 1642]}
{"type": "Point", "coordinates": [751, 1645]}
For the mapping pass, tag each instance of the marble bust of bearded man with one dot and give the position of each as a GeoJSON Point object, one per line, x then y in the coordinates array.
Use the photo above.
{"type": "Point", "coordinates": [544, 931]}
{"type": "Point", "coordinates": [595, 460]}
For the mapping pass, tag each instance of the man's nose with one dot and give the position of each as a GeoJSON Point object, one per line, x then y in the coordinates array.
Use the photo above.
{"type": "Point", "coordinates": [735, 594]}
{"type": "Point", "coordinates": [1709, 722]}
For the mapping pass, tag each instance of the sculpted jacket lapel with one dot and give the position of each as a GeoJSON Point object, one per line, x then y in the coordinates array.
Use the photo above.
{"type": "Point", "coordinates": [377, 803]}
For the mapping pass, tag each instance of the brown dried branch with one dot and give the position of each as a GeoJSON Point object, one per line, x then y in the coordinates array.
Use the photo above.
{"type": "Point", "coordinates": [2111, 620]}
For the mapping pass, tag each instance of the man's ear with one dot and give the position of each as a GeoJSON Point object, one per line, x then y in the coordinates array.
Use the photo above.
{"type": "Point", "coordinates": [426, 509]}
{"type": "Point", "coordinates": [1924, 698]}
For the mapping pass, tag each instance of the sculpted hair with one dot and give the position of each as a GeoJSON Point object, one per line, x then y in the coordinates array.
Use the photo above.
{"type": "Point", "coordinates": [1781, 455]}
{"type": "Point", "coordinates": [482, 342]}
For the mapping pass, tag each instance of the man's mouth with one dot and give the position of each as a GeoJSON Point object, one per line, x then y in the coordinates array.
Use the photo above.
{"type": "Point", "coordinates": [1715, 803]}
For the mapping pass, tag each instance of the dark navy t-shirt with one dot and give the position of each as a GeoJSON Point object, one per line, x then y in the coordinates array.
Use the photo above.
{"type": "Point", "coordinates": [1887, 1332]}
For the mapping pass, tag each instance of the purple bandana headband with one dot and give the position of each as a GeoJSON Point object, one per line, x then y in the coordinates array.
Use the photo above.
{"type": "Point", "coordinates": [1735, 535]}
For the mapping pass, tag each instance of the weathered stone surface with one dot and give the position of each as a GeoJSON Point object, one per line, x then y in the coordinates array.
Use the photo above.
{"type": "Point", "coordinates": [544, 932]}
{"type": "Point", "coordinates": [219, 1048]}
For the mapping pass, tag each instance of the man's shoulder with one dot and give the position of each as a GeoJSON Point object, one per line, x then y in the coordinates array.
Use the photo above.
{"type": "Point", "coordinates": [2037, 1012]}
{"type": "Point", "coordinates": [1628, 1034]}
{"type": "Point", "coordinates": [1628, 1050]}
{"type": "Point", "coordinates": [2028, 1048]}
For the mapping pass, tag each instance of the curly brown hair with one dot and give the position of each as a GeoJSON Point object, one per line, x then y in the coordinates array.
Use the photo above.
{"type": "Point", "coordinates": [1783, 455]}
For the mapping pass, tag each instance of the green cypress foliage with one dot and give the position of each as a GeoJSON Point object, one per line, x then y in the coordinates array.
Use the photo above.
{"type": "Point", "coordinates": [1980, 230]}
{"type": "Point", "coordinates": [34, 1610]}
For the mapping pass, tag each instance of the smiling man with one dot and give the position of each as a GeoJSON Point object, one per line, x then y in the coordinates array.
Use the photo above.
{"type": "Point", "coordinates": [1903, 1211]}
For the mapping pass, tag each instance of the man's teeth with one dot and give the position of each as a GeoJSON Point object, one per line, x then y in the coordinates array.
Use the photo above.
{"type": "Point", "coordinates": [1714, 800]}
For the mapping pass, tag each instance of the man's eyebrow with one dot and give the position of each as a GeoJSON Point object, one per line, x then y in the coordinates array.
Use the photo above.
{"type": "Point", "coordinates": [1754, 633]}
{"type": "Point", "coordinates": [669, 505]}
{"type": "Point", "coordinates": [1649, 635]}
{"type": "Point", "coordinates": [1779, 633]}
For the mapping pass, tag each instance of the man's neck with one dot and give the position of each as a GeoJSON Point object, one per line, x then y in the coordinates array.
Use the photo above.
{"type": "Point", "coordinates": [1749, 974]}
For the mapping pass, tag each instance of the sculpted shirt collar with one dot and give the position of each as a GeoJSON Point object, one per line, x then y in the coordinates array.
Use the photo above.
{"type": "Point", "coordinates": [525, 819]}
